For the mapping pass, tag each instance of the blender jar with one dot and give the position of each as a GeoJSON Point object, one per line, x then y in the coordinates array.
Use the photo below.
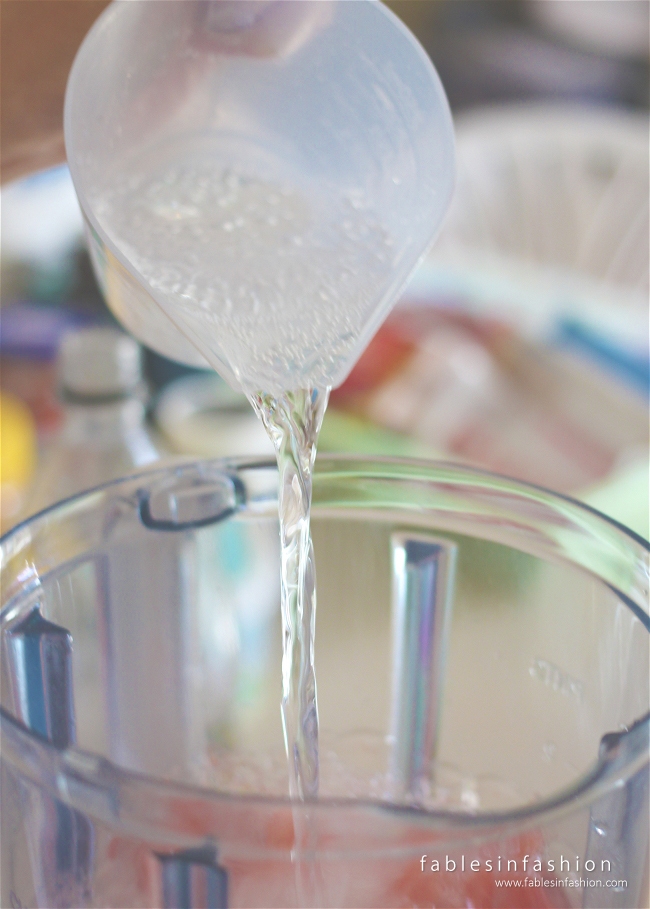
{"type": "Point", "coordinates": [482, 671]}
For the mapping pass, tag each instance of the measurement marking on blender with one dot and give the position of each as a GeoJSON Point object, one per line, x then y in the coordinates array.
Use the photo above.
{"type": "Point", "coordinates": [556, 679]}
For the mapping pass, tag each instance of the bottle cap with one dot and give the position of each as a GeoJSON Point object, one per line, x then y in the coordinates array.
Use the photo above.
{"type": "Point", "coordinates": [99, 362]}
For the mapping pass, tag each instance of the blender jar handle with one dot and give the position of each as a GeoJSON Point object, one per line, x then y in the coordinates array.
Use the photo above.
{"type": "Point", "coordinates": [188, 504]}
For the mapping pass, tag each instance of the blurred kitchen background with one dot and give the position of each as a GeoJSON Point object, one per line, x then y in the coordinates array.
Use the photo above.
{"type": "Point", "coordinates": [521, 345]}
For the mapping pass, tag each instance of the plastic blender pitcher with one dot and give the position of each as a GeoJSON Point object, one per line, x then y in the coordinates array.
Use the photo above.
{"type": "Point", "coordinates": [332, 108]}
{"type": "Point", "coordinates": [482, 660]}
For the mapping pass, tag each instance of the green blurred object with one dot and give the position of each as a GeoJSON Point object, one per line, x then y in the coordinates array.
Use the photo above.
{"type": "Point", "coordinates": [490, 574]}
{"type": "Point", "coordinates": [345, 433]}
{"type": "Point", "coordinates": [625, 496]}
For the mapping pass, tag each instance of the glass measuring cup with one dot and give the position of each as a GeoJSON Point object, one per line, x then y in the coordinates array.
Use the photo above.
{"type": "Point", "coordinates": [330, 110]}
{"type": "Point", "coordinates": [142, 759]}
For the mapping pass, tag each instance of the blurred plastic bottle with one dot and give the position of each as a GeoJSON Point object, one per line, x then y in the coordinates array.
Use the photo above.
{"type": "Point", "coordinates": [103, 435]}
